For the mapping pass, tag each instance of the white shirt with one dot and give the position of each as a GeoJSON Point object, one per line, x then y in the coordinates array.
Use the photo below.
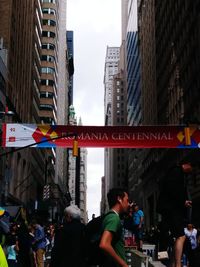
{"type": "Point", "coordinates": [192, 235]}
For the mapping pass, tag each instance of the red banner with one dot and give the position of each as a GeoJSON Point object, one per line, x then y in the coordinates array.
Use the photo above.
{"type": "Point", "coordinates": [20, 135]}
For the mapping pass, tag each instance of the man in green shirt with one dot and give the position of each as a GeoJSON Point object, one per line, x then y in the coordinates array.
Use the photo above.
{"type": "Point", "coordinates": [112, 240]}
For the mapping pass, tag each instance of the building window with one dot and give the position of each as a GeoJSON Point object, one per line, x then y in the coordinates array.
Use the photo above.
{"type": "Point", "coordinates": [48, 34]}
{"type": "Point", "coordinates": [48, 58]}
{"type": "Point", "coordinates": [46, 95]}
{"type": "Point", "coordinates": [48, 70]}
{"type": "Point", "coordinates": [50, 11]}
{"type": "Point", "coordinates": [46, 107]}
{"type": "Point", "coordinates": [47, 82]}
{"type": "Point", "coordinates": [49, 22]}
{"type": "Point", "coordinates": [48, 46]}
{"type": "Point", "coordinates": [49, 1]}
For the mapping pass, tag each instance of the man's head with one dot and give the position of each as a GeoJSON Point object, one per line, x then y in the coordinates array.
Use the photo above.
{"type": "Point", "coordinates": [118, 197]}
{"type": "Point", "coordinates": [72, 213]}
{"type": "Point", "coordinates": [135, 207]}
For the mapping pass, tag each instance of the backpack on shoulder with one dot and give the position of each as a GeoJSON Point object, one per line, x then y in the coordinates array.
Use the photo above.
{"type": "Point", "coordinates": [94, 255]}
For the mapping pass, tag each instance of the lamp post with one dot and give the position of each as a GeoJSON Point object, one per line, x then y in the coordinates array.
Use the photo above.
{"type": "Point", "coordinates": [4, 171]}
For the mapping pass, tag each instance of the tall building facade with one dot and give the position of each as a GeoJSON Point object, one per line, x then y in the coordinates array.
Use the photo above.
{"type": "Point", "coordinates": [49, 68]}
{"type": "Point", "coordinates": [21, 31]}
{"type": "Point", "coordinates": [178, 82]}
{"type": "Point", "coordinates": [118, 174]}
{"type": "Point", "coordinates": [83, 182]}
{"type": "Point", "coordinates": [134, 107]}
{"type": "Point", "coordinates": [111, 69]}
{"type": "Point", "coordinates": [30, 30]}
{"type": "Point", "coordinates": [77, 173]}
{"type": "Point", "coordinates": [169, 48]}
{"type": "Point", "coordinates": [70, 46]}
{"type": "Point", "coordinates": [62, 106]}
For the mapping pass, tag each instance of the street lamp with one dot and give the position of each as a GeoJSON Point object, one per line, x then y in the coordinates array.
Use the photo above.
{"type": "Point", "coordinates": [4, 171]}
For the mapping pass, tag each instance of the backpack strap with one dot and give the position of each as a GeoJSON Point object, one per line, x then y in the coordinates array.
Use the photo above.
{"type": "Point", "coordinates": [116, 236]}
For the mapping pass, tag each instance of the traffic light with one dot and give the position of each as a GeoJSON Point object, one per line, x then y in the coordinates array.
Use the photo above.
{"type": "Point", "coordinates": [46, 192]}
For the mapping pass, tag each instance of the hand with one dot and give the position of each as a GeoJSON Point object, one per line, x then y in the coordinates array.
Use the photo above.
{"type": "Point", "coordinates": [188, 203]}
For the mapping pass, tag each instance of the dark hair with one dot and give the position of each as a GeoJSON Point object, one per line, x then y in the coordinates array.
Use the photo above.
{"type": "Point", "coordinates": [113, 195]}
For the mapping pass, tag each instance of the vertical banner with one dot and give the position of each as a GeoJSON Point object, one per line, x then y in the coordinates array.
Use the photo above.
{"type": "Point", "coordinates": [23, 135]}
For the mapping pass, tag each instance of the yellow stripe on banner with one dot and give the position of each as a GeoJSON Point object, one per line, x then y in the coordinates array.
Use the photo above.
{"type": "Point", "coordinates": [187, 136]}
{"type": "Point", "coordinates": [75, 148]}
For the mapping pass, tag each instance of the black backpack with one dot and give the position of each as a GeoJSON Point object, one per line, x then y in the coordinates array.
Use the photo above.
{"type": "Point", "coordinates": [94, 255]}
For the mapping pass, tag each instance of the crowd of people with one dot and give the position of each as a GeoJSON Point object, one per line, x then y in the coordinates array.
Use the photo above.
{"type": "Point", "coordinates": [36, 245]}
{"type": "Point", "coordinates": [25, 245]}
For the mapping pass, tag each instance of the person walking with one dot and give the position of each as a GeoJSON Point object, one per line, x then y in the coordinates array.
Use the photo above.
{"type": "Point", "coordinates": [12, 246]}
{"type": "Point", "coordinates": [112, 240]}
{"type": "Point", "coordinates": [173, 204]}
{"type": "Point", "coordinates": [39, 243]}
{"type": "Point", "coordinates": [190, 243]}
{"type": "Point", "coordinates": [69, 241]}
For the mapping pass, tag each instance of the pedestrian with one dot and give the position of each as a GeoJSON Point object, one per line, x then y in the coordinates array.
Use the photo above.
{"type": "Point", "coordinates": [138, 224]}
{"type": "Point", "coordinates": [190, 244]}
{"type": "Point", "coordinates": [112, 240]}
{"type": "Point", "coordinates": [129, 236]}
{"type": "Point", "coordinates": [24, 240]}
{"type": "Point", "coordinates": [3, 261]}
{"type": "Point", "coordinates": [69, 241]}
{"type": "Point", "coordinates": [12, 246]}
{"type": "Point", "coordinates": [173, 204]}
{"type": "Point", "coordinates": [4, 230]}
{"type": "Point", "coordinates": [39, 243]}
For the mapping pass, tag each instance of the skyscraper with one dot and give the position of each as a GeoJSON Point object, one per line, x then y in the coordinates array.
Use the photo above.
{"type": "Point", "coordinates": [70, 46]}
{"type": "Point", "coordinates": [111, 69]}
{"type": "Point", "coordinates": [30, 30]}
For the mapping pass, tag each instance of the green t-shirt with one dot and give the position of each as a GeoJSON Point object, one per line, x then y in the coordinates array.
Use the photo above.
{"type": "Point", "coordinates": [113, 224]}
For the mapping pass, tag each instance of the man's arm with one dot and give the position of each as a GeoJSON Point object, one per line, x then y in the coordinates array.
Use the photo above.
{"type": "Point", "coordinates": [141, 221]}
{"type": "Point", "coordinates": [106, 246]}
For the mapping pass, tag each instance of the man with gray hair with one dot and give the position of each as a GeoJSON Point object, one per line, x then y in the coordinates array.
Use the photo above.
{"type": "Point", "coordinates": [72, 213]}
{"type": "Point", "coordinates": [69, 241]}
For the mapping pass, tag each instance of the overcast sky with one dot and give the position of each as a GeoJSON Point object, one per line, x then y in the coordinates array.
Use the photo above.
{"type": "Point", "coordinates": [96, 24]}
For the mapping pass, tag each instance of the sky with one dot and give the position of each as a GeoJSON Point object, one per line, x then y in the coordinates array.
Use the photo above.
{"type": "Point", "coordinates": [96, 25]}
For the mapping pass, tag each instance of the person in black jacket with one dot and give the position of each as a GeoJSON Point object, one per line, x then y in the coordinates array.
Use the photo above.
{"type": "Point", "coordinates": [69, 241]}
{"type": "Point", "coordinates": [173, 205]}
